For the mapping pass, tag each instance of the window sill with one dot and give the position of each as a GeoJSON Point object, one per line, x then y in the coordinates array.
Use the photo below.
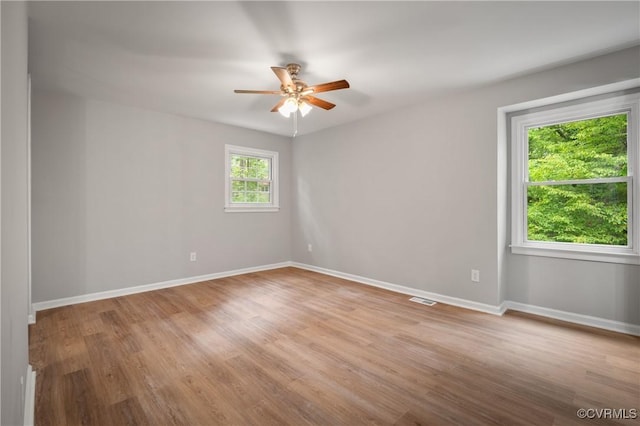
{"type": "Point", "coordinates": [251, 209]}
{"type": "Point", "coordinates": [624, 256]}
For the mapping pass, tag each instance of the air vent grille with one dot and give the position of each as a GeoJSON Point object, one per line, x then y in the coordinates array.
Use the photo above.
{"type": "Point", "coordinates": [423, 301]}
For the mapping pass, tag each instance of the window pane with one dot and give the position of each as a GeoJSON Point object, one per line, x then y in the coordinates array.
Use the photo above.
{"type": "Point", "coordinates": [250, 167]}
{"type": "Point", "coordinates": [238, 166]}
{"type": "Point", "coordinates": [252, 186]}
{"type": "Point", "coordinates": [264, 197]}
{"type": "Point", "coordinates": [583, 149]}
{"type": "Point", "coordinates": [238, 197]}
{"type": "Point", "coordinates": [583, 213]}
{"type": "Point", "coordinates": [261, 168]}
{"type": "Point", "coordinates": [238, 185]}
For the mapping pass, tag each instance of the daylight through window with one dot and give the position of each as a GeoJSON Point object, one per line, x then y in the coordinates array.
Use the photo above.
{"type": "Point", "coordinates": [251, 179]}
{"type": "Point", "coordinates": [574, 189]}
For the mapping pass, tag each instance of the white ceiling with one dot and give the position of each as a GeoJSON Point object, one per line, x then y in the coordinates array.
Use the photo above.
{"type": "Point", "coordinates": [187, 57]}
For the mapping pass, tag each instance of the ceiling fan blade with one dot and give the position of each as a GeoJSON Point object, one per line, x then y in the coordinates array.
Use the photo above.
{"type": "Point", "coordinates": [259, 92]}
{"type": "Point", "coordinates": [278, 105]}
{"type": "Point", "coordinates": [318, 102]}
{"type": "Point", "coordinates": [326, 87]}
{"type": "Point", "coordinates": [283, 76]}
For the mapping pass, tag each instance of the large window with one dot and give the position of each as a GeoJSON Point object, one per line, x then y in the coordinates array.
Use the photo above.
{"type": "Point", "coordinates": [575, 186]}
{"type": "Point", "coordinates": [251, 179]}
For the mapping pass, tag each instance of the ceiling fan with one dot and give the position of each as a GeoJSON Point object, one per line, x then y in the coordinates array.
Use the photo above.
{"type": "Point", "coordinates": [296, 94]}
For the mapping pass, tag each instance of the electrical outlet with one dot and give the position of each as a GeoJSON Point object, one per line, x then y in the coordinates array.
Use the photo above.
{"type": "Point", "coordinates": [475, 275]}
{"type": "Point", "coordinates": [309, 248]}
{"type": "Point", "coordinates": [193, 256]}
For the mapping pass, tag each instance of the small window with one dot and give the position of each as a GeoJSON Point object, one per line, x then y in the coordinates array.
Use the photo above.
{"type": "Point", "coordinates": [251, 180]}
{"type": "Point", "coordinates": [574, 181]}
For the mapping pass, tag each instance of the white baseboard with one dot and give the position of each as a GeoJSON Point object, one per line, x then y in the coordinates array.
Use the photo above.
{"type": "Point", "coordinates": [590, 321]}
{"type": "Point", "coordinates": [449, 300]}
{"type": "Point", "coordinates": [29, 397]}
{"type": "Point", "coordinates": [602, 323]}
{"type": "Point", "coordinates": [31, 318]}
{"type": "Point", "coordinates": [606, 324]}
{"type": "Point", "coordinates": [40, 306]}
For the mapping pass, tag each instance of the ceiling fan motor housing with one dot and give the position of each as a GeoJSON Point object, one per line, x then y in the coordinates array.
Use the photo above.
{"type": "Point", "coordinates": [293, 70]}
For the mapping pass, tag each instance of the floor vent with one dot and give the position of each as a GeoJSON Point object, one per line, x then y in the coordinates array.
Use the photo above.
{"type": "Point", "coordinates": [423, 301]}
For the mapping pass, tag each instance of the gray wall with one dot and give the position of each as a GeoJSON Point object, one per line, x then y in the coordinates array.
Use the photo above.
{"type": "Point", "coordinates": [13, 222]}
{"type": "Point", "coordinates": [418, 198]}
{"type": "Point", "coordinates": [122, 195]}
{"type": "Point", "coordinates": [603, 290]}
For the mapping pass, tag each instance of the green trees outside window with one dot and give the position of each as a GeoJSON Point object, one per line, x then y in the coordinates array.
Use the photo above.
{"type": "Point", "coordinates": [577, 188]}
{"type": "Point", "coordinates": [250, 179]}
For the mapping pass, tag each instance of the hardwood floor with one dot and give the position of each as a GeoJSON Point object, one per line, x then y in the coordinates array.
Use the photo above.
{"type": "Point", "coordinates": [295, 347]}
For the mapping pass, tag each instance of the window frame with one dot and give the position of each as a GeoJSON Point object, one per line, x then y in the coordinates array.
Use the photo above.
{"type": "Point", "coordinates": [555, 114]}
{"type": "Point", "coordinates": [272, 156]}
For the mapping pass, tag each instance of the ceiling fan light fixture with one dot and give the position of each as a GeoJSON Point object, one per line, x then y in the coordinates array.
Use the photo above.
{"type": "Point", "coordinates": [284, 112]}
{"type": "Point", "coordinates": [289, 106]}
{"type": "Point", "coordinates": [304, 108]}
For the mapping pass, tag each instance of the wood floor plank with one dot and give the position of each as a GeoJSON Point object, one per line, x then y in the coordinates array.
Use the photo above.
{"type": "Point", "coordinates": [127, 413]}
{"type": "Point", "coordinates": [290, 346]}
{"type": "Point", "coordinates": [78, 389]}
